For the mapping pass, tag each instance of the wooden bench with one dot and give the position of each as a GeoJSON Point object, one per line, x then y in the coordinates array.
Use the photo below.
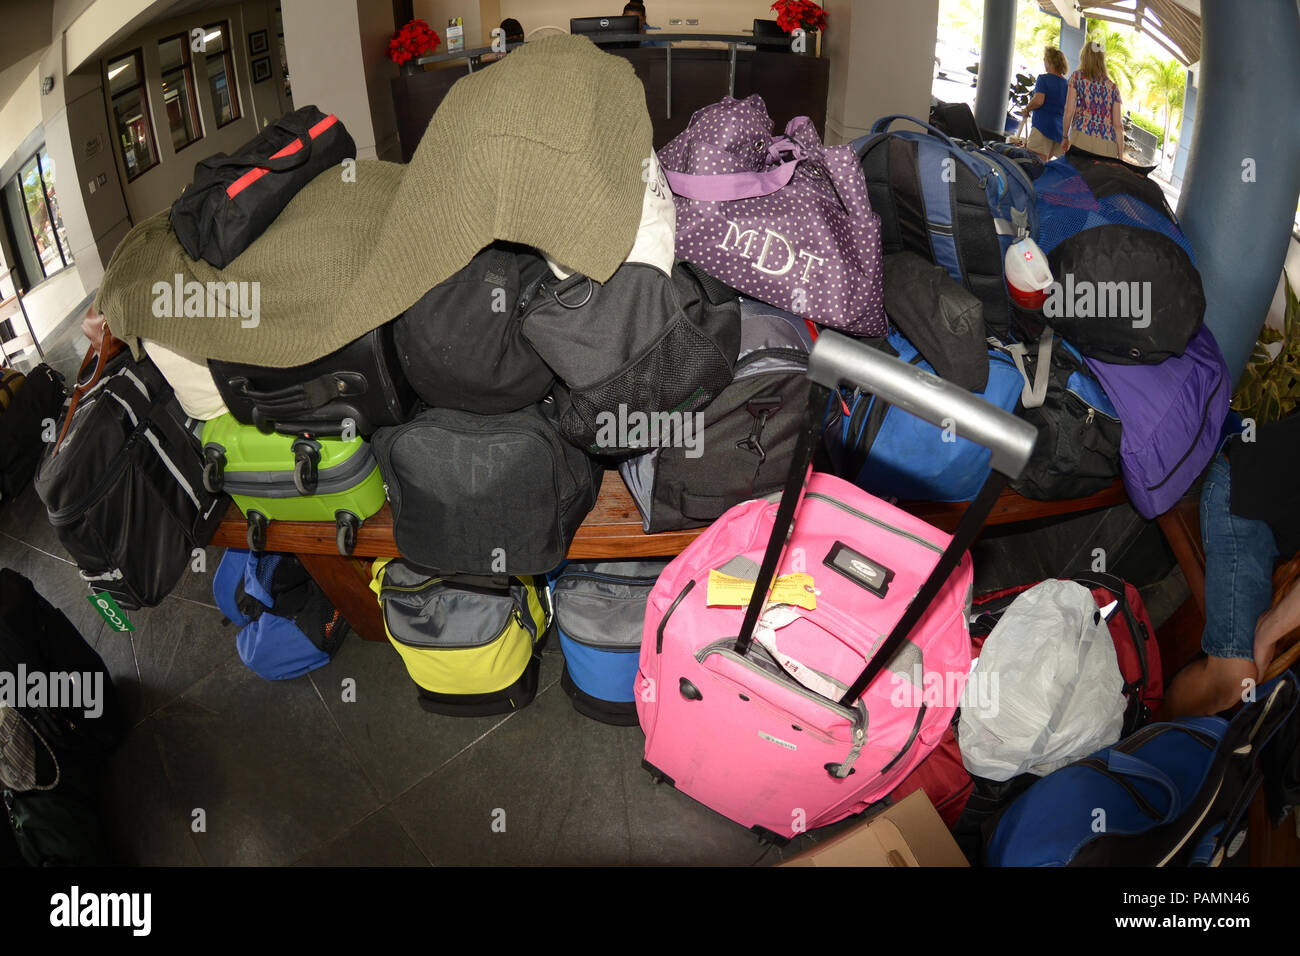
{"type": "Point", "coordinates": [611, 531]}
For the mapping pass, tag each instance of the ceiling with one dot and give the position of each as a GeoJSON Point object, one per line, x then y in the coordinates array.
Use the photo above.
{"type": "Point", "coordinates": [26, 32]}
{"type": "Point", "coordinates": [1174, 25]}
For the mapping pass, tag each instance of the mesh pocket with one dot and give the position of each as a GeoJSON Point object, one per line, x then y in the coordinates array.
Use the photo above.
{"type": "Point", "coordinates": [682, 372]}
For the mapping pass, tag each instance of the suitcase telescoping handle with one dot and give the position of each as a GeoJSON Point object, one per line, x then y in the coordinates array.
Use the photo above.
{"type": "Point", "coordinates": [837, 359]}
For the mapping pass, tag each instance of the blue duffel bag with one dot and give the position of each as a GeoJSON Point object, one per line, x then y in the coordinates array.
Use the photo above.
{"type": "Point", "coordinates": [893, 454]}
{"type": "Point", "coordinates": [1171, 794]}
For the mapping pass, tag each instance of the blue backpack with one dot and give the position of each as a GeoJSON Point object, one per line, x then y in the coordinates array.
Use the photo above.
{"type": "Point", "coordinates": [892, 453]}
{"type": "Point", "coordinates": [287, 625]}
{"type": "Point", "coordinates": [956, 203]}
{"type": "Point", "coordinates": [1172, 794]}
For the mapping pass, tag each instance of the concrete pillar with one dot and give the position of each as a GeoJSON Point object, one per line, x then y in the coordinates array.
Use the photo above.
{"type": "Point", "coordinates": [996, 47]}
{"type": "Point", "coordinates": [882, 55]}
{"type": "Point", "coordinates": [1185, 131]}
{"type": "Point", "coordinates": [1072, 42]}
{"type": "Point", "coordinates": [1242, 179]}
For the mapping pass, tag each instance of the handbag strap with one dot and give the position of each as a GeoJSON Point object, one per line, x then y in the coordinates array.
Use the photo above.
{"type": "Point", "coordinates": [747, 185]}
{"type": "Point", "coordinates": [109, 347]}
{"type": "Point", "coordinates": [280, 160]}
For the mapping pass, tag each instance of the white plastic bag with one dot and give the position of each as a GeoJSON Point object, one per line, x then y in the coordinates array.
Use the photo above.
{"type": "Point", "coordinates": [1046, 689]}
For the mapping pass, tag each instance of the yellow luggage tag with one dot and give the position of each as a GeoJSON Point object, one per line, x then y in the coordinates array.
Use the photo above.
{"type": "Point", "coordinates": [728, 591]}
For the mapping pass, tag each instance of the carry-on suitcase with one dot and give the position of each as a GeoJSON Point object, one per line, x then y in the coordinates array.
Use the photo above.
{"type": "Point", "coordinates": [282, 477]}
{"type": "Point", "coordinates": [123, 482]}
{"type": "Point", "coordinates": [790, 725]}
{"type": "Point", "coordinates": [362, 385]}
{"type": "Point", "coordinates": [599, 613]}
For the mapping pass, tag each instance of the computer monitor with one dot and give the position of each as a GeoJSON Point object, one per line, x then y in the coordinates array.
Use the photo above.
{"type": "Point", "coordinates": [593, 27]}
{"type": "Point", "coordinates": [769, 30]}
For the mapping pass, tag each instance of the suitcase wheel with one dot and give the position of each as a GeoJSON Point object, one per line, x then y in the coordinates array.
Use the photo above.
{"type": "Point", "coordinates": [306, 456]}
{"type": "Point", "coordinates": [256, 531]}
{"type": "Point", "coordinates": [346, 526]}
{"type": "Point", "coordinates": [214, 469]}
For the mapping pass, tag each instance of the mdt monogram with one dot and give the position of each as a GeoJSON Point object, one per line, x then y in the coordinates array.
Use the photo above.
{"type": "Point", "coordinates": [769, 259]}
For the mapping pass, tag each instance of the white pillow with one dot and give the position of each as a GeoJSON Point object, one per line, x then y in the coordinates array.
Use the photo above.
{"type": "Point", "coordinates": [190, 379]}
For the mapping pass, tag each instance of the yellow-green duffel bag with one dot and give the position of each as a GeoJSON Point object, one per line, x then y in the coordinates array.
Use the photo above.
{"type": "Point", "coordinates": [10, 382]}
{"type": "Point", "coordinates": [470, 644]}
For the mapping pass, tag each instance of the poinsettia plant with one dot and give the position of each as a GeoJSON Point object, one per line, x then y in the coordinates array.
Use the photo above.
{"type": "Point", "coordinates": [792, 14]}
{"type": "Point", "coordinates": [413, 40]}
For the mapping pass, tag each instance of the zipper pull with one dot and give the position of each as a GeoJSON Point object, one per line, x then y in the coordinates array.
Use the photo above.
{"type": "Point", "coordinates": [1091, 414]}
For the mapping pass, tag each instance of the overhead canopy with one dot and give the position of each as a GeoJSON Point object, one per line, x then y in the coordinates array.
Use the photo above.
{"type": "Point", "coordinates": [1173, 24]}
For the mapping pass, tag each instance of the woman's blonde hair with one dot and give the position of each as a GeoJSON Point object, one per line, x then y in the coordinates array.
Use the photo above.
{"type": "Point", "coordinates": [1055, 61]}
{"type": "Point", "coordinates": [1092, 61]}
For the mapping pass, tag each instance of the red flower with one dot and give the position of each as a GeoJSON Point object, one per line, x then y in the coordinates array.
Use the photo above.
{"type": "Point", "coordinates": [793, 14]}
{"type": "Point", "coordinates": [413, 40]}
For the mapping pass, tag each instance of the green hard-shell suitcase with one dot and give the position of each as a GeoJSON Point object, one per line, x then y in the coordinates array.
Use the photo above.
{"type": "Point", "coordinates": [275, 477]}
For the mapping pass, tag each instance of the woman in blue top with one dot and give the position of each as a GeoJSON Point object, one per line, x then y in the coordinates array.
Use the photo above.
{"type": "Point", "coordinates": [1048, 106]}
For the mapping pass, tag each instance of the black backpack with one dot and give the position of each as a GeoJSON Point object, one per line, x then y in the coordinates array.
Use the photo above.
{"type": "Point", "coordinates": [22, 428]}
{"type": "Point", "coordinates": [640, 345]}
{"type": "Point", "coordinates": [461, 345]}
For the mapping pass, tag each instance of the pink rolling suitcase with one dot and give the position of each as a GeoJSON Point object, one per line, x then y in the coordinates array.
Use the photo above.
{"type": "Point", "coordinates": [781, 717]}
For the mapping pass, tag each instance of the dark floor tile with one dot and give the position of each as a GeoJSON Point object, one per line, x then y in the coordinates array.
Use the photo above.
{"type": "Point", "coordinates": [176, 644]}
{"type": "Point", "coordinates": [25, 518]}
{"type": "Point", "coordinates": [58, 582]}
{"type": "Point", "coordinates": [117, 650]}
{"type": "Point", "coordinates": [197, 585]}
{"type": "Point", "coordinates": [146, 826]}
{"type": "Point", "coordinates": [378, 840]}
{"type": "Point", "coordinates": [397, 741]}
{"type": "Point", "coordinates": [266, 763]}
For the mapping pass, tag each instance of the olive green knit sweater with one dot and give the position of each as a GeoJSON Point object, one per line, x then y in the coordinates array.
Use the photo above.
{"type": "Point", "coordinates": [545, 148]}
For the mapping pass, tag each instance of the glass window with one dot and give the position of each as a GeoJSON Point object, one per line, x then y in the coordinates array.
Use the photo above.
{"type": "Point", "coordinates": [131, 115]}
{"type": "Point", "coordinates": [221, 73]}
{"type": "Point", "coordinates": [40, 204]}
{"type": "Point", "coordinates": [178, 91]}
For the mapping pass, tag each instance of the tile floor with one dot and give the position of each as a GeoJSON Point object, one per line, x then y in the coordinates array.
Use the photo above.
{"type": "Point", "coordinates": [288, 773]}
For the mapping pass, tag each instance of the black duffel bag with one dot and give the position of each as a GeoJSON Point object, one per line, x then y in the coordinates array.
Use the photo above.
{"type": "Point", "coordinates": [235, 197]}
{"type": "Point", "coordinates": [485, 494]}
{"type": "Point", "coordinates": [123, 484]}
{"type": "Point", "coordinates": [641, 345]}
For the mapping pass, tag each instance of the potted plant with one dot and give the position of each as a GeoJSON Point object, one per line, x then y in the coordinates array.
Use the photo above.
{"type": "Point", "coordinates": [801, 14]}
{"type": "Point", "coordinates": [1269, 389]}
{"type": "Point", "coordinates": [408, 44]}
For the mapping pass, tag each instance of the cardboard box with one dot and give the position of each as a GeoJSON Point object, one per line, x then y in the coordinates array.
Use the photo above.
{"type": "Point", "coordinates": [909, 833]}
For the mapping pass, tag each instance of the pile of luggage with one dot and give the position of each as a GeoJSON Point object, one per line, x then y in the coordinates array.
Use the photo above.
{"type": "Point", "coordinates": [887, 306]}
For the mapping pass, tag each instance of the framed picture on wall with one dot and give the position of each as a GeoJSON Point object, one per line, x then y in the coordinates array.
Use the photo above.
{"type": "Point", "coordinates": [261, 69]}
{"type": "Point", "coordinates": [258, 42]}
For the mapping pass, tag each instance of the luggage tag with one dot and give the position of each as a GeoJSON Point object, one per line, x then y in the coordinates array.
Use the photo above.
{"type": "Point", "coordinates": [774, 618]}
{"type": "Point", "coordinates": [726, 590]}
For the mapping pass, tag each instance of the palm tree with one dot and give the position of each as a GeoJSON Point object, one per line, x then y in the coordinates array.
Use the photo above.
{"type": "Point", "coordinates": [1165, 89]}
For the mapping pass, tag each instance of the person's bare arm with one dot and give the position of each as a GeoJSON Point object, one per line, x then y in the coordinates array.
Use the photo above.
{"type": "Point", "coordinates": [1275, 624]}
{"type": "Point", "coordinates": [92, 327]}
{"type": "Point", "coordinates": [1117, 119]}
{"type": "Point", "coordinates": [1067, 118]}
{"type": "Point", "coordinates": [1035, 102]}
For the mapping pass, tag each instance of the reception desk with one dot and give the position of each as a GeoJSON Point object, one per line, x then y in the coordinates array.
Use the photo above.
{"type": "Point", "coordinates": [678, 81]}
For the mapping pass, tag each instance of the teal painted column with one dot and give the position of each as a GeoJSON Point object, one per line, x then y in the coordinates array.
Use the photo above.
{"type": "Point", "coordinates": [994, 85]}
{"type": "Point", "coordinates": [1243, 171]}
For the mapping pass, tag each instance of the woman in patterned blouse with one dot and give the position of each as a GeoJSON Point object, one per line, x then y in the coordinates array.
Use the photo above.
{"type": "Point", "coordinates": [1094, 116]}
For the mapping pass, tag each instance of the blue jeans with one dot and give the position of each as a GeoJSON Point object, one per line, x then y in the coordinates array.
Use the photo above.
{"type": "Point", "coordinates": [1239, 558]}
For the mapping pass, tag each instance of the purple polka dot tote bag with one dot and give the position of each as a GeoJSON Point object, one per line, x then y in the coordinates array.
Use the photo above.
{"type": "Point", "coordinates": [785, 219]}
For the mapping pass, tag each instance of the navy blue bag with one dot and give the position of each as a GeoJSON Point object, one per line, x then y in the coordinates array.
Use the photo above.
{"type": "Point", "coordinates": [1172, 794]}
{"type": "Point", "coordinates": [287, 625]}
{"type": "Point", "coordinates": [599, 614]}
{"type": "Point", "coordinates": [893, 454]}
{"type": "Point", "coordinates": [957, 203]}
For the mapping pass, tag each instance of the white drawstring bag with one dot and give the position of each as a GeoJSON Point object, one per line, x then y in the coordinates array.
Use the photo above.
{"type": "Point", "coordinates": [1046, 689]}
